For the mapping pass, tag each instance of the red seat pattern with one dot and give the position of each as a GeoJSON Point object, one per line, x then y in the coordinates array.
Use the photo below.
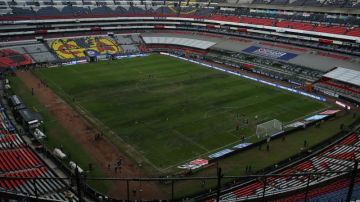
{"type": "Point", "coordinates": [7, 138]}
{"type": "Point", "coordinates": [12, 184]}
{"type": "Point", "coordinates": [249, 20]}
{"type": "Point", "coordinates": [304, 166]}
{"type": "Point", "coordinates": [344, 156]}
{"type": "Point", "coordinates": [224, 18]}
{"type": "Point", "coordinates": [332, 55]}
{"type": "Point", "coordinates": [295, 25]}
{"type": "Point", "coordinates": [344, 150]}
{"type": "Point", "coordinates": [238, 19]}
{"type": "Point", "coordinates": [248, 190]}
{"type": "Point", "coordinates": [346, 88]}
{"type": "Point", "coordinates": [258, 21]}
{"type": "Point", "coordinates": [330, 29]}
{"type": "Point", "coordinates": [4, 131]}
{"type": "Point", "coordinates": [18, 159]}
{"type": "Point", "coordinates": [354, 32]}
{"type": "Point", "coordinates": [321, 190]}
{"type": "Point", "coordinates": [349, 140]}
{"type": "Point", "coordinates": [324, 165]}
{"type": "Point", "coordinates": [12, 58]}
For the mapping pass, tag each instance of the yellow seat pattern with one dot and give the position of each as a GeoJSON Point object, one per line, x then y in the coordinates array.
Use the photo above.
{"type": "Point", "coordinates": [75, 48]}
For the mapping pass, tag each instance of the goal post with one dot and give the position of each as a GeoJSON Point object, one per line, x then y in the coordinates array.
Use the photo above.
{"type": "Point", "coordinates": [269, 128]}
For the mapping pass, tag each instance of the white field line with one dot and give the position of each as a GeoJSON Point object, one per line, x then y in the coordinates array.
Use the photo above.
{"type": "Point", "coordinates": [190, 140]}
{"type": "Point", "coordinates": [97, 122]}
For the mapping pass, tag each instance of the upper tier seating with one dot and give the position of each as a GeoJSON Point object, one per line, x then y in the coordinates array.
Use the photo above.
{"type": "Point", "coordinates": [317, 3]}
{"type": "Point", "coordinates": [240, 15]}
{"type": "Point", "coordinates": [279, 2]}
{"type": "Point", "coordinates": [294, 25]}
{"type": "Point", "coordinates": [354, 32]}
{"type": "Point", "coordinates": [258, 21]}
{"type": "Point", "coordinates": [330, 29]}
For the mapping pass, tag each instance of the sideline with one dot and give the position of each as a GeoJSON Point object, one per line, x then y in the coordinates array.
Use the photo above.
{"type": "Point", "coordinates": [319, 98]}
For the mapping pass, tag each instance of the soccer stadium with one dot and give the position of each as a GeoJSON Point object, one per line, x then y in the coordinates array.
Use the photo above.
{"type": "Point", "coordinates": [196, 100]}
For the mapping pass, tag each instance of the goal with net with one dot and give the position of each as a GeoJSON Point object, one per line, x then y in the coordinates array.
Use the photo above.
{"type": "Point", "coordinates": [269, 128]}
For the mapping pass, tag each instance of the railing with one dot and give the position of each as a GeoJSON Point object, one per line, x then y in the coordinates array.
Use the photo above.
{"type": "Point", "coordinates": [343, 187]}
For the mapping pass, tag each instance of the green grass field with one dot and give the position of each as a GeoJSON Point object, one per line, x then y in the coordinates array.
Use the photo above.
{"type": "Point", "coordinates": [169, 111]}
{"type": "Point", "coordinates": [57, 135]}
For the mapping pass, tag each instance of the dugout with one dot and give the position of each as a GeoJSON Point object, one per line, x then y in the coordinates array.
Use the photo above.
{"type": "Point", "coordinates": [28, 119]}
{"type": "Point", "coordinates": [16, 103]}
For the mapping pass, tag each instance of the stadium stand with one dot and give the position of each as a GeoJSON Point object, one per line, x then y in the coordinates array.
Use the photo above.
{"type": "Point", "coordinates": [18, 160]}
{"type": "Point", "coordinates": [130, 48]}
{"type": "Point", "coordinates": [19, 11]}
{"type": "Point", "coordinates": [353, 31]}
{"type": "Point", "coordinates": [129, 43]}
{"type": "Point", "coordinates": [309, 21]}
{"type": "Point", "coordinates": [71, 48]}
{"type": "Point", "coordinates": [24, 53]}
{"type": "Point", "coordinates": [294, 25]}
{"type": "Point", "coordinates": [338, 157]}
{"type": "Point", "coordinates": [340, 82]}
{"type": "Point", "coordinates": [334, 190]}
{"type": "Point", "coordinates": [13, 58]}
{"type": "Point", "coordinates": [194, 43]}
{"type": "Point", "coordinates": [267, 67]}
{"type": "Point", "coordinates": [123, 39]}
{"type": "Point", "coordinates": [337, 90]}
{"type": "Point", "coordinates": [332, 55]}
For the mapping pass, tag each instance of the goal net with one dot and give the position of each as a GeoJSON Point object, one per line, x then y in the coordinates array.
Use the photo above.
{"type": "Point", "coordinates": [269, 128]}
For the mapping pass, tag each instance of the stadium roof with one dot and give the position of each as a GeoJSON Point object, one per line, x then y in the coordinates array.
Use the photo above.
{"type": "Point", "coordinates": [345, 75]}
{"type": "Point", "coordinates": [195, 43]}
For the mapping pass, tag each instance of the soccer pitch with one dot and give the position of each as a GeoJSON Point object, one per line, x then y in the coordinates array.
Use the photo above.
{"type": "Point", "coordinates": [170, 111]}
